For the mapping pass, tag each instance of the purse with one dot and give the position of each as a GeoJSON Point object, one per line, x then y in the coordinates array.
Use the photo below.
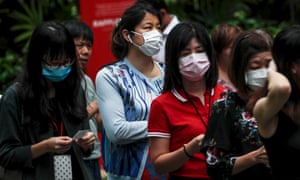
{"type": "Point", "coordinates": [62, 167]}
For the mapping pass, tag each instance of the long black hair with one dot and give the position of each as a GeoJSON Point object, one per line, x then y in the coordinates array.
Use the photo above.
{"type": "Point", "coordinates": [177, 40]}
{"type": "Point", "coordinates": [53, 41]}
{"type": "Point", "coordinates": [286, 52]}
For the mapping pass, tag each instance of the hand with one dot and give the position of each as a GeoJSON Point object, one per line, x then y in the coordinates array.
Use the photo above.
{"type": "Point", "coordinates": [87, 141]}
{"type": "Point", "coordinates": [261, 156]}
{"type": "Point", "coordinates": [194, 145]}
{"type": "Point", "coordinates": [59, 144]}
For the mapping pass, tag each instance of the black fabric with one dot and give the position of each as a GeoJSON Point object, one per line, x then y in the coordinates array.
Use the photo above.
{"type": "Point", "coordinates": [22, 132]}
{"type": "Point", "coordinates": [283, 149]}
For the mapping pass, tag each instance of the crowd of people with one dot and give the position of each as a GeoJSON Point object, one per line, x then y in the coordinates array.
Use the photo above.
{"type": "Point", "coordinates": [178, 103]}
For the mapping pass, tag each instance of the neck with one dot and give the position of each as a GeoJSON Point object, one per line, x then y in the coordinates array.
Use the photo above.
{"type": "Point", "coordinates": [196, 88]}
{"type": "Point", "coordinates": [223, 74]}
{"type": "Point", "coordinates": [143, 63]}
{"type": "Point", "coordinates": [51, 89]}
{"type": "Point", "coordinates": [167, 20]}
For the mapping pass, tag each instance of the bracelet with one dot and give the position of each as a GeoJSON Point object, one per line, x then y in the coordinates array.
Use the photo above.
{"type": "Point", "coordinates": [185, 152]}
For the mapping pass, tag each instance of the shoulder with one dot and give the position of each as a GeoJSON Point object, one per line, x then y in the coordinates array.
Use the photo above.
{"type": "Point", "coordinates": [220, 88]}
{"type": "Point", "coordinates": [218, 92]}
{"type": "Point", "coordinates": [118, 68]}
{"type": "Point", "coordinates": [164, 97]}
{"type": "Point", "coordinates": [11, 91]}
{"type": "Point", "coordinates": [10, 98]}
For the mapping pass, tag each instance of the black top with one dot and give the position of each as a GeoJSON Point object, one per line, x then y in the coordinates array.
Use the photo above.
{"type": "Point", "coordinates": [17, 136]}
{"type": "Point", "coordinates": [283, 149]}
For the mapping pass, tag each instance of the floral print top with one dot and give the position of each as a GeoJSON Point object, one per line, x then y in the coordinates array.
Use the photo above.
{"type": "Point", "coordinates": [231, 132]}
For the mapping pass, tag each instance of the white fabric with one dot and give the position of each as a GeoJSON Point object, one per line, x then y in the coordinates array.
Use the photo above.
{"type": "Point", "coordinates": [160, 56]}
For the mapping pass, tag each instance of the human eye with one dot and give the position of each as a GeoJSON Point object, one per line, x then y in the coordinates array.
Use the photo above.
{"type": "Point", "coordinates": [79, 45]}
{"type": "Point", "coordinates": [184, 53]}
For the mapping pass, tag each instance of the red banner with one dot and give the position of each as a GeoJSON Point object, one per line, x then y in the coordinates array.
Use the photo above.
{"type": "Point", "coordinates": [101, 16]}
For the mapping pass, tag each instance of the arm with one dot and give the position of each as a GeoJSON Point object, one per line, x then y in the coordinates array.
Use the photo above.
{"type": "Point", "coordinates": [13, 153]}
{"type": "Point", "coordinates": [93, 111]}
{"type": "Point", "coordinates": [224, 164]}
{"type": "Point", "coordinates": [162, 158]}
{"type": "Point", "coordinates": [165, 161]}
{"type": "Point", "coordinates": [92, 108]}
{"type": "Point", "coordinates": [258, 156]}
{"type": "Point", "coordinates": [58, 145]}
{"type": "Point", "coordinates": [266, 108]}
{"type": "Point", "coordinates": [111, 107]}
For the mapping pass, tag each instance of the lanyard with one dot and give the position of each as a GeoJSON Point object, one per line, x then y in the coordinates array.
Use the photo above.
{"type": "Point", "coordinates": [196, 109]}
{"type": "Point", "coordinates": [61, 127]}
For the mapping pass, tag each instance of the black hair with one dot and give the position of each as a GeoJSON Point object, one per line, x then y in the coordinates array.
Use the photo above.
{"type": "Point", "coordinates": [157, 4]}
{"type": "Point", "coordinates": [177, 40]}
{"type": "Point", "coordinates": [286, 52]}
{"type": "Point", "coordinates": [129, 20]}
{"type": "Point", "coordinates": [247, 44]}
{"type": "Point", "coordinates": [52, 39]}
{"type": "Point", "coordinates": [79, 29]}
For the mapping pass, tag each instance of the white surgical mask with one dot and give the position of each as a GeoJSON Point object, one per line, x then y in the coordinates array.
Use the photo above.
{"type": "Point", "coordinates": [194, 66]}
{"type": "Point", "coordinates": [256, 78]}
{"type": "Point", "coordinates": [152, 42]}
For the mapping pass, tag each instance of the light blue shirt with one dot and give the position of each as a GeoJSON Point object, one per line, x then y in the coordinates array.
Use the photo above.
{"type": "Point", "coordinates": [124, 97]}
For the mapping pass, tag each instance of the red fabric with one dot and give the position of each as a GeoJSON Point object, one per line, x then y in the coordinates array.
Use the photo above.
{"type": "Point", "coordinates": [100, 158]}
{"type": "Point", "coordinates": [179, 120]}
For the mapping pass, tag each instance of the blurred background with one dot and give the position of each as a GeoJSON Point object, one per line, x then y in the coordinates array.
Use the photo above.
{"type": "Point", "coordinates": [18, 18]}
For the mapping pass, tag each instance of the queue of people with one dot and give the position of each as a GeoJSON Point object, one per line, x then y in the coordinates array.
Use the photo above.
{"type": "Point", "coordinates": [219, 107]}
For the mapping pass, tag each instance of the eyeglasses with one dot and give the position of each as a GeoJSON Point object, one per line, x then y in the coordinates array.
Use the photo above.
{"type": "Point", "coordinates": [65, 62]}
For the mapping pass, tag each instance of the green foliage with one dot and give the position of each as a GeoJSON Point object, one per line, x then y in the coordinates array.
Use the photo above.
{"type": "Point", "coordinates": [242, 19]}
{"type": "Point", "coordinates": [249, 14]}
{"type": "Point", "coordinates": [27, 17]}
{"type": "Point", "coordinates": [27, 20]}
{"type": "Point", "coordinates": [9, 68]}
{"type": "Point", "coordinates": [212, 13]}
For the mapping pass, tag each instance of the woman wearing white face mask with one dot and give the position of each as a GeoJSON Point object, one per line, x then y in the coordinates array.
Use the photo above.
{"type": "Point", "coordinates": [278, 113]}
{"type": "Point", "coordinates": [178, 118]}
{"type": "Point", "coordinates": [125, 91]}
{"type": "Point", "coordinates": [232, 145]}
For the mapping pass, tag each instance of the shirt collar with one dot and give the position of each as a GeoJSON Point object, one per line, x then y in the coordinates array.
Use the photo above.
{"type": "Point", "coordinates": [181, 96]}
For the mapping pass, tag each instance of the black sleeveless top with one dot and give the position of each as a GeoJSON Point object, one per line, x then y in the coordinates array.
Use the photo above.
{"type": "Point", "coordinates": [283, 149]}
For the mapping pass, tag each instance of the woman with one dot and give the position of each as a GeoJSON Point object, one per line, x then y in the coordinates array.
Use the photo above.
{"type": "Point", "coordinates": [41, 113]}
{"type": "Point", "coordinates": [125, 91]}
{"type": "Point", "coordinates": [279, 111]}
{"type": "Point", "coordinates": [83, 39]}
{"type": "Point", "coordinates": [179, 117]}
{"type": "Point", "coordinates": [232, 145]}
{"type": "Point", "coordinates": [223, 37]}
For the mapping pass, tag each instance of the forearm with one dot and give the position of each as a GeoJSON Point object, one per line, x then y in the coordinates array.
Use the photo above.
{"type": "Point", "coordinates": [126, 132]}
{"type": "Point", "coordinates": [92, 109]}
{"type": "Point", "coordinates": [278, 86]}
{"type": "Point", "coordinates": [279, 90]}
{"type": "Point", "coordinates": [39, 149]}
{"type": "Point", "coordinates": [243, 162]}
{"type": "Point", "coordinates": [170, 161]}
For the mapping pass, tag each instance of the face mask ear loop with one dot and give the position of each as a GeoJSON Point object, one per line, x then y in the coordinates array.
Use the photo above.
{"type": "Point", "coordinates": [131, 41]}
{"type": "Point", "coordinates": [129, 38]}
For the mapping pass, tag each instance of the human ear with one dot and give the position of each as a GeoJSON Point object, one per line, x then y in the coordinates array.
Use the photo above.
{"type": "Point", "coordinates": [125, 34]}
